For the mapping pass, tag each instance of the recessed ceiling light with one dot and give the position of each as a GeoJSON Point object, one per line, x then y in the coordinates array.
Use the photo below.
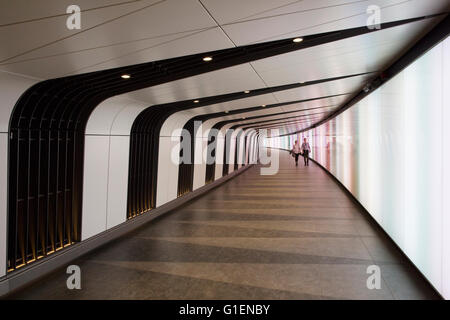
{"type": "Point", "coordinates": [196, 101]}
{"type": "Point", "coordinates": [226, 111]}
{"type": "Point", "coordinates": [302, 82]}
{"type": "Point", "coordinates": [247, 91]}
{"type": "Point", "coordinates": [298, 40]}
{"type": "Point", "coordinates": [125, 76]}
{"type": "Point", "coordinates": [207, 59]}
{"type": "Point", "coordinates": [263, 105]}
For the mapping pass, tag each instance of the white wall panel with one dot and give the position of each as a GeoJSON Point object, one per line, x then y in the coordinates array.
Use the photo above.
{"type": "Point", "coordinates": [95, 185]}
{"type": "Point", "coordinates": [219, 156]}
{"type": "Point", "coordinates": [3, 200]}
{"type": "Point", "coordinates": [102, 118]}
{"type": "Point", "coordinates": [241, 150]}
{"type": "Point", "coordinates": [232, 153]}
{"type": "Point", "coordinates": [110, 121]}
{"type": "Point", "coordinates": [125, 118]}
{"type": "Point", "coordinates": [118, 180]}
{"type": "Point", "coordinates": [234, 150]}
{"type": "Point", "coordinates": [11, 88]}
{"type": "Point", "coordinates": [176, 121]}
{"type": "Point", "coordinates": [200, 146]}
{"type": "Point", "coordinates": [167, 181]}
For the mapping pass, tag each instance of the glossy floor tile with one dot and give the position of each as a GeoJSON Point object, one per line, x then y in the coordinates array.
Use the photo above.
{"type": "Point", "coordinates": [293, 235]}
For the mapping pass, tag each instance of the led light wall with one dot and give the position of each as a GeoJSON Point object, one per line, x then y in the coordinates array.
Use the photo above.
{"type": "Point", "coordinates": [392, 152]}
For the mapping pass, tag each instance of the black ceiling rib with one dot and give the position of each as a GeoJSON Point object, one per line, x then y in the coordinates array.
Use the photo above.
{"type": "Point", "coordinates": [205, 101]}
{"type": "Point", "coordinates": [208, 116]}
{"type": "Point", "coordinates": [280, 113]}
{"type": "Point", "coordinates": [432, 38]}
{"type": "Point", "coordinates": [288, 112]}
{"type": "Point", "coordinates": [265, 122]}
{"type": "Point", "coordinates": [186, 171]}
{"type": "Point", "coordinates": [281, 124]}
{"type": "Point", "coordinates": [259, 108]}
{"type": "Point", "coordinates": [49, 121]}
{"type": "Point", "coordinates": [149, 123]}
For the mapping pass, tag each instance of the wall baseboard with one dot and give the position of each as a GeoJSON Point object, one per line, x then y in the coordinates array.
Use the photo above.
{"type": "Point", "coordinates": [25, 276]}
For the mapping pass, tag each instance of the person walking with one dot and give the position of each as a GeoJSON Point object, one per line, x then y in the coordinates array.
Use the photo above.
{"type": "Point", "coordinates": [306, 149]}
{"type": "Point", "coordinates": [296, 150]}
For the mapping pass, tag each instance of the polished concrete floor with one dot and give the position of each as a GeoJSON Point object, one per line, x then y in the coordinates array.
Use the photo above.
{"type": "Point", "coordinates": [293, 235]}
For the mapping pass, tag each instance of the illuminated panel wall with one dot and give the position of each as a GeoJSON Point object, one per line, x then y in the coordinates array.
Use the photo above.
{"type": "Point", "coordinates": [392, 152]}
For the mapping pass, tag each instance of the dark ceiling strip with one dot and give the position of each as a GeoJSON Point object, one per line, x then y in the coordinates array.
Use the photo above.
{"type": "Point", "coordinates": [284, 112]}
{"type": "Point", "coordinates": [432, 38]}
{"type": "Point", "coordinates": [259, 108]}
{"type": "Point", "coordinates": [282, 123]}
{"type": "Point", "coordinates": [186, 170]}
{"type": "Point", "coordinates": [255, 124]}
{"type": "Point", "coordinates": [205, 101]}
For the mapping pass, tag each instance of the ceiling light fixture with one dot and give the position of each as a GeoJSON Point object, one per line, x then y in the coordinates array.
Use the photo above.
{"type": "Point", "coordinates": [196, 101]}
{"type": "Point", "coordinates": [226, 111]}
{"type": "Point", "coordinates": [247, 91]}
{"type": "Point", "coordinates": [125, 76]}
{"type": "Point", "coordinates": [207, 59]}
{"type": "Point", "coordinates": [263, 105]}
{"type": "Point", "coordinates": [298, 40]}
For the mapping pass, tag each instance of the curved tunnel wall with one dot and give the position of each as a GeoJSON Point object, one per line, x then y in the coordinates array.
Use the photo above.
{"type": "Point", "coordinates": [391, 152]}
{"type": "Point", "coordinates": [47, 130]}
{"type": "Point", "coordinates": [48, 138]}
{"type": "Point", "coordinates": [106, 164]}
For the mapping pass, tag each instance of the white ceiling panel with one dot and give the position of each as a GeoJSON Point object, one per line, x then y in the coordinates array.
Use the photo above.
{"type": "Point", "coordinates": [172, 46]}
{"type": "Point", "coordinates": [108, 57]}
{"type": "Point", "coordinates": [23, 10]}
{"type": "Point", "coordinates": [109, 37]}
{"type": "Point", "coordinates": [252, 20]}
{"type": "Point", "coordinates": [359, 54]}
{"type": "Point", "coordinates": [37, 33]}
